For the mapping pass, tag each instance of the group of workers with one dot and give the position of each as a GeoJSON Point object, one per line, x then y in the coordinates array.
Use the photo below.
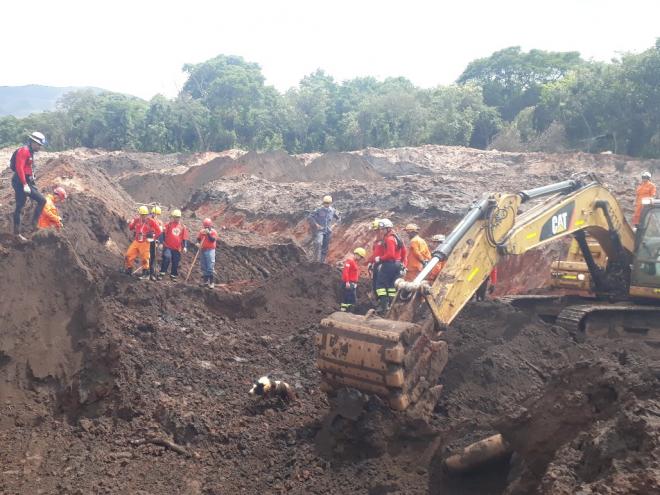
{"type": "Point", "coordinates": [390, 259]}
{"type": "Point", "coordinates": [149, 233]}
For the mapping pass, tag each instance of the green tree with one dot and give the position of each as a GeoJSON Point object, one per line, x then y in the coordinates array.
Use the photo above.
{"type": "Point", "coordinates": [512, 79]}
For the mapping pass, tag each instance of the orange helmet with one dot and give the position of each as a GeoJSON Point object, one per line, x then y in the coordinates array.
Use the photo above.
{"type": "Point", "coordinates": [60, 192]}
{"type": "Point", "coordinates": [207, 223]}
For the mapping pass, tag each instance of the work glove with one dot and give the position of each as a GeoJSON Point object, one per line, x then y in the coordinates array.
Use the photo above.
{"type": "Point", "coordinates": [160, 247]}
{"type": "Point", "coordinates": [199, 245]}
{"type": "Point", "coordinates": [353, 285]}
{"type": "Point", "coordinates": [185, 250]}
{"type": "Point", "coordinates": [370, 267]}
{"type": "Point", "coordinates": [348, 285]}
{"type": "Point", "coordinates": [377, 259]}
{"type": "Point", "coordinates": [491, 289]}
{"type": "Point", "coordinates": [26, 189]}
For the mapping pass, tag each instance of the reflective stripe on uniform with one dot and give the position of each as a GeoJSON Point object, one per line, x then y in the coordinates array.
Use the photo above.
{"type": "Point", "coordinates": [381, 292]}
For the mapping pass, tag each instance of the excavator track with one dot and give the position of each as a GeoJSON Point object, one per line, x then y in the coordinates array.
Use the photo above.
{"type": "Point", "coordinates": [546, 307]}
{"type": "Point", "coordinates": [624, 320]}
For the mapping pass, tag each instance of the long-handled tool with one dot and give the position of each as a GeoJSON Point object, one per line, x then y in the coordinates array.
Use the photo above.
{"type": "Point", "coordinates": [192, 264]}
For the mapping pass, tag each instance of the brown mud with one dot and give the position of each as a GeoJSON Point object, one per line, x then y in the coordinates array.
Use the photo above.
{"type": "Point", "coordinates": [111, 385]}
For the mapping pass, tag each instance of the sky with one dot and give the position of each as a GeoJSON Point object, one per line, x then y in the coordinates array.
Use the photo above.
{"type": "Point", "coordinates": [139, 47]}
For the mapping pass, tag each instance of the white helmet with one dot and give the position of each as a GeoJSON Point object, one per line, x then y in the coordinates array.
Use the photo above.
{"type": "Point", "coordinates": [38, 138]}
{"type": "Point", "coordinates": [385, 223]}
{"type": "Point", "coordinates": [646, 175]}
{"type": "Point", "coordinates": [438, 238]}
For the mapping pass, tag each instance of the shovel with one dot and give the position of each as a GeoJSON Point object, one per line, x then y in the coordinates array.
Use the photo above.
{"type": "Point", "coordinates": [192, 265]}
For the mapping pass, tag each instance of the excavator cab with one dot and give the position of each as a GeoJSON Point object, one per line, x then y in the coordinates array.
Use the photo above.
{"type": "Point", "coordinates": [645, 276]}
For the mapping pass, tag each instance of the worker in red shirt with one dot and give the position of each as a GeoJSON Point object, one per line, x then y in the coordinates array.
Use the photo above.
{"type": "Point", "coordinates": [23, 182]}
{"type": "Point", "coordinates": [174, 240]}
{"type": "Point", "coordinates": [377, 250]}
{"type": "Point", "coordinates": [207, 239]}
{"type": "Point", "coordinates": [487, 286]}
{"type": "Point", "coordinates": [143, 227]}
{"type": "Point", "coordinates": [153, 238]}
{"type": "Point", "coordinates": [350, 276]}
{"type": "Point", "coordinates": [392, 265]}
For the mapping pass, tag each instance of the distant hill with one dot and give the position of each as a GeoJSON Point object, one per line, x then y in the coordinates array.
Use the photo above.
{"type": "Point", "coordinates": [20, 101]}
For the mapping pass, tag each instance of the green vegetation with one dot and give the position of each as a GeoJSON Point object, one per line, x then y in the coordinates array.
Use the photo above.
{"type": "Point", "coordinates": [225, 103]}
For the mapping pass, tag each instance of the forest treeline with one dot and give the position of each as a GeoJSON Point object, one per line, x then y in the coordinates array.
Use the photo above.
{"type": "Point", "coordinates": [511, 100]}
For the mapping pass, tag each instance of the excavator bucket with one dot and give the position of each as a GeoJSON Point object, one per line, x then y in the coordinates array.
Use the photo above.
{"type": "Point", "coordinates": [395, 360]}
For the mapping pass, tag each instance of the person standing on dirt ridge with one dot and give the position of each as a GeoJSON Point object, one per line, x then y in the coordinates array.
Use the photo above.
{"type": "Point", "coordinates": [377, 250]}
{"type": "Point", "coordinates": [207, 240]}
{"type": "Point", "coordinates": [174, 240]}
{"type": "Point", "coordinates": [350, 275]}
{"type": "Point", "coordinates": [143, 226]}
{"type": "Point", "coordinates": [50, 217]}
{"type": "Point", "coordinates": [392, 265]}
{"type": "Point", "coordinates": [23, 181]}
{"type": "Point", "coordinates": [645, 190]}
{"type": "Point", "coordinates": [152, 237]}
{"type": "Point", "coordinates": [321, 221]}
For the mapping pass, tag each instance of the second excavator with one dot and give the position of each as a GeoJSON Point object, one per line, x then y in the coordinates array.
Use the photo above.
{"type": "Point", "coordinates": [401, 357]}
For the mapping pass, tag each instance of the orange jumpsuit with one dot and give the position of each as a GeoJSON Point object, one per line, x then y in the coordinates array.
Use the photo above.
{"type": "Point", "coordinates": [644, 190]}
{"type": "Point", "coordinates": [49, 215]}
{"type": "Point", "coordinates": [140, 245]}
{"type": "Point", "coordinates": [419, 255]}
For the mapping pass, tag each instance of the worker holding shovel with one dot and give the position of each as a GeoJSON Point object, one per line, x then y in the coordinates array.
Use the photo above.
{"type": "Point", "coordinates": [206, 243]}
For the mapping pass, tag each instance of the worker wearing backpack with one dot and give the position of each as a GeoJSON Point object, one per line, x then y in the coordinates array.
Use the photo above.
{"type": "Point", "coordinates": [22, 164]}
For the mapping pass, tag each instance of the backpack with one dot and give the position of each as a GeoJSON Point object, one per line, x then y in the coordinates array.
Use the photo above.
{"type": "Point", "coordinates": [12, 160]}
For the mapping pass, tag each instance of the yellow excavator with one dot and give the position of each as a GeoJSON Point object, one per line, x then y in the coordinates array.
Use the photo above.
{"type": "Point", "coordinates": [401, 357]}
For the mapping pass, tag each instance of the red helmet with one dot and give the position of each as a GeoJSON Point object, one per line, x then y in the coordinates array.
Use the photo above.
{"type": "Point", "coordinates": [60, 192]}
{"type": "Point", "coordinates": [207, 223]}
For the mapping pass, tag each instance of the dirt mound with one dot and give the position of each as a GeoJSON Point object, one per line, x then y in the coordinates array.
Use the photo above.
{"type": "Point", "coordinates": [604, 438]}
{"type": "Point", "coordinates": [275, 166]}
{"type": "Point", "coordinates": [344, 166]}
{"type": "Point", "coordinates": [50, 329]}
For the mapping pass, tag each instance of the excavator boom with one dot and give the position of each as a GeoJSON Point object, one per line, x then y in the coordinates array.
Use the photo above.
{"type": "Point", "coordinates": [358, 351]}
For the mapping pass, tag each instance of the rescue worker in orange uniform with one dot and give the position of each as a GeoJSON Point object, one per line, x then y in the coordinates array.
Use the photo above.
{"type": "Point", "coordinates": [143, 226]}
{"type": "Point", "coordinates": [350, 275]}
{"type": "Point", "coordinates": [645, 190]}
{"type": "Point", "coordinates": [419, 253]}
{"type": "Point", "coordinates": [392, 265]}
{"type": "Point", "coordinates": [152, 238]}
{"type": "Point", "coordinates": [50, 217]}
{"type": "Point", "coordinates": [207, 239]}
{"type": "Point", "coordinates": [377, 250]}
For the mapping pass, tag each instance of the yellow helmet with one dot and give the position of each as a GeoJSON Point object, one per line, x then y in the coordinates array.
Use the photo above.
{"type": "Point", "coordinates": [411, 227]}
{"type": "Point", "coordinates": [360, 252]}
{"type": "Point", "coordinates": [156, 210]}
{"type": "Point", "coordinates": [143, 210]}
{"type": "Point", "coordinates": [327, 199]}
{"type": "Point", "coordinates": [375, 225]}
{"type": "Point", "coordinates": [176, 213]}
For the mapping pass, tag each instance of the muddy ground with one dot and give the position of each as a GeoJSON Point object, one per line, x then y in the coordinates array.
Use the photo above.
{"type": "Point", "coordinates": [113, 385]}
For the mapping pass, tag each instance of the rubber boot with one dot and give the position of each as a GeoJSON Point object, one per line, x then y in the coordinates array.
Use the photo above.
{"type": "Point", "coordinates": [211, 284]}
{"type": "Point", "coordinates": [383, 305]}
{"type": "Point", "coordinates": [145, 275]}
{"type": "Point", "coordinates": [204, 281]}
